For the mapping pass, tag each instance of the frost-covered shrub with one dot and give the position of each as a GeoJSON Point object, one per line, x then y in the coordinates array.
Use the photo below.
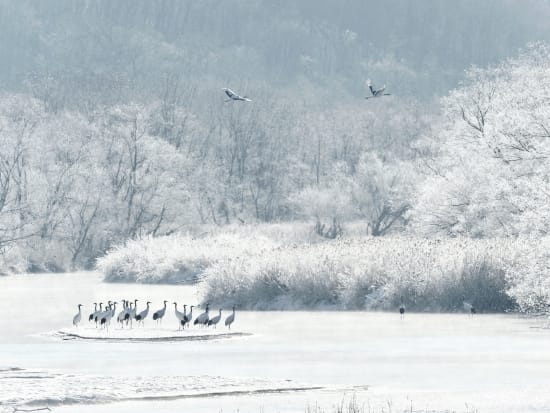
{"type": "Point", "coordinates": [176, 258]}
{"type": "Point", "coordinates": [529, 279]}
{"type": "Point", "coordinates": [184, 257]}
{"type": "Point", "coordinates": [369, 273]}
{"type": "Point", "coordinates": [246, 267]}
{"type": "Point", "coordinates": [12, 261]}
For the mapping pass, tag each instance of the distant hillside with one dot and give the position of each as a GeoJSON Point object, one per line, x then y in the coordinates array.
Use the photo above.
{"type": "Point", "coordinates": [123, 48]}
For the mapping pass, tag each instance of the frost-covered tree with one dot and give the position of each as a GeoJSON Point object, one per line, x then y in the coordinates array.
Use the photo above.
{"type": "Point", "coordinates": [488, 162]}
{"type": "Point", "coordinates": [20, 119]}
{"type": "Point", "coordinates": [382, 192]}
{"type": "Point", "coordinates": [143, 172]}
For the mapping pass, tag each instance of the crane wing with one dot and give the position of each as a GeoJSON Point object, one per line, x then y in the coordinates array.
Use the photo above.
{"type": "Point", "coordinates": [371, 87]}
{"type": "Point", "coordinates": [230, 93]}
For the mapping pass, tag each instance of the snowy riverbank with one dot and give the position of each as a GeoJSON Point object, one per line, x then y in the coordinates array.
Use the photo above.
{"type": "Point", "coordinates": [283, 270]}
{"type": "Point", "coordinates": [32, 388]}
{"type": "Point", "coordinates": [495, 363]}
{"type": "Point", "coordinates": [144, 334]}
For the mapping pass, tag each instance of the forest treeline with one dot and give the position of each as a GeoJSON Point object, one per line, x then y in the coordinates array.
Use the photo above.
{"type": "Point", "coordinates": [117, 51]}
{"type": "Point", "coordinates": [113, 124]}
{"type": "Point", "coordinates": [72, 184]}
{"type": "Point", "coordinates": [79, 182]}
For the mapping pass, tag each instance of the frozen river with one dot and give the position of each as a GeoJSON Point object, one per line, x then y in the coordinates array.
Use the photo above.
{"type": "Point", "coordinates": [434, 362]}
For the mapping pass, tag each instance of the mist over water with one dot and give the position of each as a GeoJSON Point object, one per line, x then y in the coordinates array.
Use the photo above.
{"type": "Point", "coordinates": [438, 361]}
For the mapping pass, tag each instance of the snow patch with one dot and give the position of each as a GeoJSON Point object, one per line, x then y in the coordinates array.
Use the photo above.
{"type": "Point", "coordinates": [40, 388]}
{"type": "Point", "coordinates": [144, 334]}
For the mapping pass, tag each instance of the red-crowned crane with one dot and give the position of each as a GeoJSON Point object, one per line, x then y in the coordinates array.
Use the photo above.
{"type": "Point", "coordinates": [143, 315]}
{"type": "Point", "coordinates": [215, 320]}
{"type": "Point", "coordinates": [179, 314]}
{"type": "Point", "coordinates": [376, 93]}
{"type": "Point", "coordinates": [230, 319]}
{"type": "Point", "coordinates": [131, 313]}
{"type": "Point", "coordinates": [202, 319]}
{"type": "Point", "coordinates": [98, 313]}
{"type": "Point", "coordinates": [159, 314]}
{"type": "Point", "coordinates": [122, 314]}
{"type": "Point", "coordinates": [92, 315]}
{"type": "Point", "coordinates": [108, 314]}
{"type": "Point", "coordinates": [78, 316]}
{"type": "Point", "coordinates": [234, 96]}
{"type": "Point", "coordinates": [187, 317]}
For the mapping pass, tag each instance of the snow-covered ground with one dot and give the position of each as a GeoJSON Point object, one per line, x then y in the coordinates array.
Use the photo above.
{"type": "Point", "coordinates": [36, 387]}
{"type": "Point", "coordinates": [144, 334]}
{"type": "Point", "coordinates": [434, 362]}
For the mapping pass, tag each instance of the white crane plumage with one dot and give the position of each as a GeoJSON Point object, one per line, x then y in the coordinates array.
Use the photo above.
{"type": "Point", "coordinates": [202, 319]}
{"type": "Point", "coordinates": [183, 319]}
{"type": "Point", "coordinates": [215, 320]}
{"type": "Point", "coordinates": [108, 314]}
{"type": "Point", "coordinates": [376, 93]}
{"type": "Point", "coordinates": [98, 313]}
{"type": "Point", "coordinates": [159, 314]}
{"type": "Point", "coordinates": [78, 316]}
{"type": "Point", "coordinates": [122, 314]}
{"type": "Point", "coordinates": [234, 96]}
{"type": "Point", "coordinates": [143, 315]}
{"type": "Point", "coordinates": [131, 313]}
{"type": "Point", "coordinates": [92, 315]}
{"type": "Point", "coordinates": [113, 309]}
{"type": "Point", "coordinates": [187, 317]}
{"type": "Point", "coordinates": [230, 319]}
{"type": "Point", "coordinates": [179, 314]}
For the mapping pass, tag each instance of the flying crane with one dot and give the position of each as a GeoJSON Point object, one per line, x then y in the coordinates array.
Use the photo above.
{"type": "Point", "coordinates": [234, 96]}
{"type": "Point", "coordinates": [376, 93]}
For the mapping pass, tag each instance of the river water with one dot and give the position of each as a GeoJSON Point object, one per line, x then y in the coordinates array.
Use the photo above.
{"type": "Point", "coordinates": [427, 362]}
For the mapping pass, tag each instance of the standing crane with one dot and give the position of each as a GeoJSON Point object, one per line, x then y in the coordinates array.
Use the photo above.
{"type": "Point", "coordinates": [122, 314]}
{"type": "Point", "coordinates": [107, 315]}
{"type": "Point", "coordinates": [215, 320]}
{"type": "Point", "coordinates": [92, 315]}
{"type": "Point", "coordinates": [376, 93]}
{"type": "Point", "coordinates": [141, 316]}
{"type": "Point", "coordinates": [187, 317]}
{"type": "Point", "coordinates": [230, 319]}
{"type": "Point", "coordinates": [179, 314]}
{"type": "Point", "coordinates": [159, 314]}
{"type": "Point", "coordinates": [131, 314]}
{"type": "Point", "coordinates": [97, 313]}
{"type": "Point", "coordinates": [78, 316]}
{"type": "Point", "coordinates": [234, 96]}
{"type": "Point", "coordinates": [202, 319]}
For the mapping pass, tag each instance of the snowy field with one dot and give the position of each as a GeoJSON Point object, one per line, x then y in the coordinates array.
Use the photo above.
{"type": "Point", "coordinates": [432, 362]}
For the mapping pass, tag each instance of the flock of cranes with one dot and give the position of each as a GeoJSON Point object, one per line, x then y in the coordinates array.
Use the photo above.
{"type": "Point", "coordinates": [468, 307]}
{"type": "Point", "coordinates": [102, 316]}
{"type": "Point", "coordinates": [375, 93]}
